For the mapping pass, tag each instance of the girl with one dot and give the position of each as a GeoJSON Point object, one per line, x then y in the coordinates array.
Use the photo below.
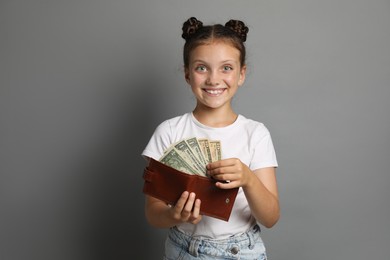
{"type": "Point", "coordinates": [214, 63]}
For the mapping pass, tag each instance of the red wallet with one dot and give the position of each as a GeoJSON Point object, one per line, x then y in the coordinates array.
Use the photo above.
{"type": "Point", "coordinates": [167, 184]}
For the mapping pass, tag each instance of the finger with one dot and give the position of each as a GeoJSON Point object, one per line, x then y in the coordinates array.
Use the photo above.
{"type": "Point", "coordinates": [222, 170]}
{"type": "Point", "coordinates": [218, 164]}
{"type": "Point", "coordinates": [181, 202]}
{"type": "Point", "coordinates": [196, 217]}
{"type": "Point", "coordinates": [227, 185]}
{"type": "Point", "coordinates": [189, 204]}
{"type": "Point", "coordinates": [196, 210]}
{"type": "Point", "coordinates": [225, 179]}
{"type": "Point", "coordinates": [222, 163]}
{"type": "Point", "coordinates": [197, 220]}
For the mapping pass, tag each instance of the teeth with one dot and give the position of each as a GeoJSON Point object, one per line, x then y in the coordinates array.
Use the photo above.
{"type": "Point", "coordinates": [214, 91]}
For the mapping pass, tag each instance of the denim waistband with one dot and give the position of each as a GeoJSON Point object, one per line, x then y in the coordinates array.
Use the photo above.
{"type": "Point", "coordinates": [195, 244]}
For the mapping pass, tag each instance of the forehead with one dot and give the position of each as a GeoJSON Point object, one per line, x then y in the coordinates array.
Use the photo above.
{"type": "Point", "coordinates": [215, 50]}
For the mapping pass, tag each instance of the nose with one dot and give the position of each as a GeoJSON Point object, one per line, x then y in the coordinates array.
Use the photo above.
{"type": "Point", "coordinates": [212, 79]}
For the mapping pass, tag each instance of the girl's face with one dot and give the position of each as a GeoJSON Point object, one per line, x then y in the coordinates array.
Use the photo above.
{"type": "Point", "coordinates": [215, 73]}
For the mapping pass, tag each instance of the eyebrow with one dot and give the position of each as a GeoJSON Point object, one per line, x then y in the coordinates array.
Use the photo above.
{"type": "Point", "coordinates": [225, 61]}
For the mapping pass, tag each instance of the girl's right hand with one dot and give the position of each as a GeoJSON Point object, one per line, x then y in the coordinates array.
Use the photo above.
{"type": "Point", "coordinates": [187, 208]}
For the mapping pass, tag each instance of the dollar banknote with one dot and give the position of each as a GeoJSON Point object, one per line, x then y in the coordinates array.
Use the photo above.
{"type": "Point", "coordinates": [194, 145]}
{"type": "Point", "coordinates": [173, 159]}
{"type": "Point", "coordinates": [205, 148]}
{"type": "Point", "coordinates": [215, 149]}
{"type": "Point", "coordinates": [191, 155]}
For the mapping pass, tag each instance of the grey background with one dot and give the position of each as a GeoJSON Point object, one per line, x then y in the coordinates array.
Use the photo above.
{"type": "Point", "coordinates": [83, 84]}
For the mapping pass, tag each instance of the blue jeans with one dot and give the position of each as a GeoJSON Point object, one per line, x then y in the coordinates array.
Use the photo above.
{"type": "Point", "coordinates": [248, 245]}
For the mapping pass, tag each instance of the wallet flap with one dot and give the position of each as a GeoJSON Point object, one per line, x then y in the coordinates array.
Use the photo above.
{"type": "Point", "coordinates": [167, 184]}
{"type": "Point", "coordinates": [148, 175]}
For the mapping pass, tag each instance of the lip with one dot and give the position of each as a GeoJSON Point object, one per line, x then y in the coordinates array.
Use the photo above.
{"type": "Point", "coordinates": [214, 91]}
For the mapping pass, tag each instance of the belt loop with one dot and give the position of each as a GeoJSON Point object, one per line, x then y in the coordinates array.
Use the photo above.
{"type": "Point", "coordinates": [250, 233]}
{"type": "Point", "coordinates": [194, 245]}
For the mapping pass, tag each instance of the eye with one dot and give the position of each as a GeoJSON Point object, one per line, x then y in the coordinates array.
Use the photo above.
{"type": "Point", "coordinates": [227, 68]}
{"type": "Point", "coordinates": [201, 68]}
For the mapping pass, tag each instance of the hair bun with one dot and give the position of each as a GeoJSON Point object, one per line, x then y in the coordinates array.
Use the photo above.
{"type": "Point", "coordinates": [190, 27]}
{"type": "Point", "coordinates": [239, 28]}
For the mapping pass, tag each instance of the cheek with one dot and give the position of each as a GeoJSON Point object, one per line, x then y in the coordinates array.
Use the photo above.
{"type": "Point", "coordinates": [197, 79]}
{"type": "Point", "coordinates": [232, 79]}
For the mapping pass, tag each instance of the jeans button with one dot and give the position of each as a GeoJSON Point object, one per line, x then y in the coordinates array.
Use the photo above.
{"type": "Point", "coordinates": [234, 250]}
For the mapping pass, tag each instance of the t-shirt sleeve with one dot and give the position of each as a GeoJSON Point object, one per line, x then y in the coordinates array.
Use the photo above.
{"type": "Point", "coordinates": [159, 141]}
{"type": "Point", "coordinates": [263, 151]}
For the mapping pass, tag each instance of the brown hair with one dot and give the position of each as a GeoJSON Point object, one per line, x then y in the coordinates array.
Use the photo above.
{"type": "Point", "coordinates": [196, 34]}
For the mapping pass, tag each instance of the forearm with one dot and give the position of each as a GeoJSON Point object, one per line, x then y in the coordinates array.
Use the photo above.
{"type": "Point", "coordinates": [263, 203]}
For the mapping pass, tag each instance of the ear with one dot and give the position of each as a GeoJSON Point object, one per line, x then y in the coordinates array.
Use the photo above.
{"type": "Point", "coordinates": [187, 75]}
{"type": "Point", "coordinates": [242, 76]}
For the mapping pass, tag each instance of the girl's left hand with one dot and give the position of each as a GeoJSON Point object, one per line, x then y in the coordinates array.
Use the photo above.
{"type": "Point", "coordinates": [230, 173]}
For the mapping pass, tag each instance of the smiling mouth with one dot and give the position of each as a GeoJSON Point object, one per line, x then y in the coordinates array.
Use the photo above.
{"type": "Point", "coordinates": [214, 91]}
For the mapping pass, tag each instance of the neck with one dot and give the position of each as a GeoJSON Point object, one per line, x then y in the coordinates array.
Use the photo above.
{"type": "Point", "coordinates": [215, 117]}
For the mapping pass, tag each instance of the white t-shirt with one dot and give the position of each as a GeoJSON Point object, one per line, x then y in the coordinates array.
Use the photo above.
{"type": "Point", "coordinates": [246, 139]}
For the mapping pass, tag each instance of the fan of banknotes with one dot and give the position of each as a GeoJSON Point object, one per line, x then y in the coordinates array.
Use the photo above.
{"type": "Point", "coordinates": [191, 155]}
